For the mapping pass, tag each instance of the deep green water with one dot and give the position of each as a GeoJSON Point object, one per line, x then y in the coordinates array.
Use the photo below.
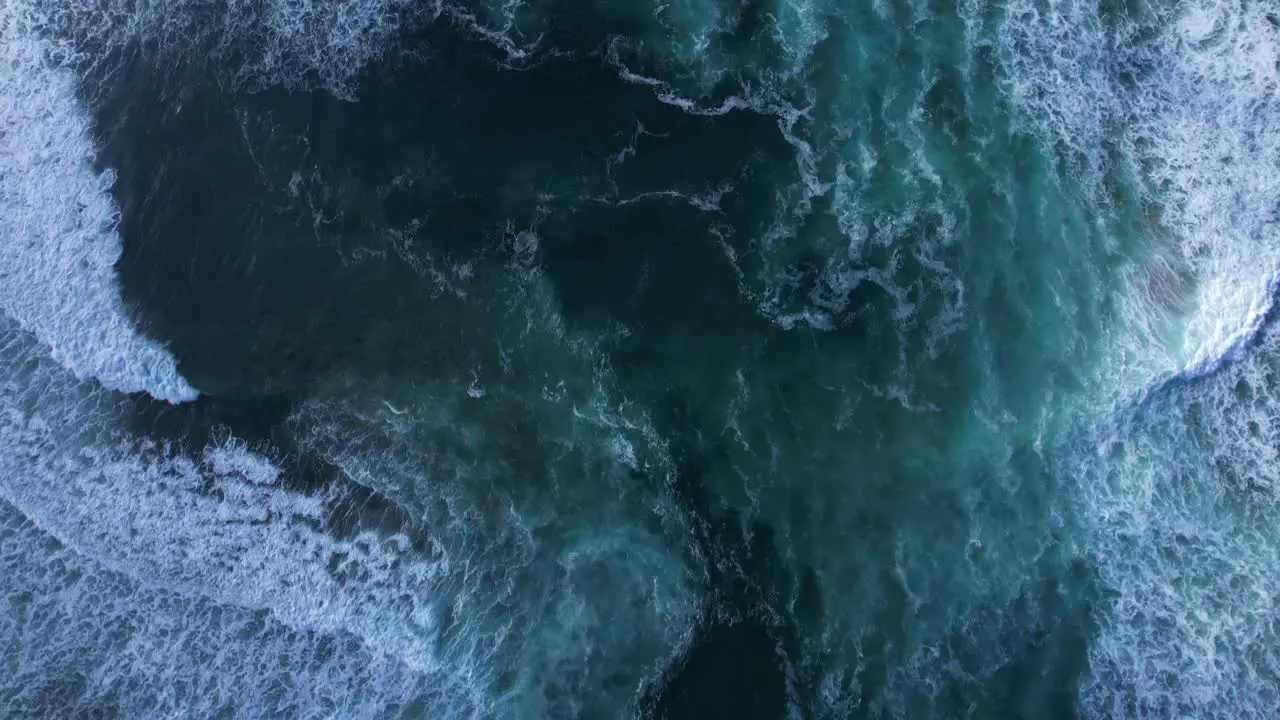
{"type": "Point", "coordinates": [703, 359]}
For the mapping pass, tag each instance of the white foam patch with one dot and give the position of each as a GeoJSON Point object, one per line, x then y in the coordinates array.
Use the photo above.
{"type": "Point", "coordinates": [1195, 92]}
{"type": "Point", "coordinates": [82, 640]}
{"type": "Point", "coordinates": [1184, 500]}
{"type": "Point", "coordinates": [216, 528]}
{"type": "Point", "coordinates": [58, 244]}
{"type": "Point", "coordinates": [1206, 126]}
{"type": "Point", "coordinates": [1181, 492]}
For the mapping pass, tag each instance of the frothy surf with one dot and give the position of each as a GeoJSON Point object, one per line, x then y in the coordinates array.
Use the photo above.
{"type": "Point", "coordinates": [215, 526]}
{"type": "Point", "coordinates": [1182, 496]}
{"type": "Point", "coordinates": [84, 640]}
{"type": "Point", "coordinates": [58, 244]}
{"type": "Point", "coordinates": [1178, 486]}
{"type": "Point", "coordinates": [491, 599]}
{"type": "Point", "coordinates": [1178, 99]}
{"type": "Point", "coordinates": [1215, 107]}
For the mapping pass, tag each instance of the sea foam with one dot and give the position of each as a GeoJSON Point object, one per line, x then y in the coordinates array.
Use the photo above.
{"type": "Point", "coordinates": [1177, 487]}
{"type": "Point", "coordinates": [57, 225]}
{"type": "Point", "coordinates": [1183, 98]}
{"type": "Point", "coordinates": [1183, 500]}
{"type": "Point", "coordinates": [159, 531]}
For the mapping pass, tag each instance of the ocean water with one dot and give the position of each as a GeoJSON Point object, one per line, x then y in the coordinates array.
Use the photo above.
{"type": "Point", "coordinates": [890, 359]}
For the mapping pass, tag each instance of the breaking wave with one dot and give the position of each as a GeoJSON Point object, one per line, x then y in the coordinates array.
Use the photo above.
{"type": "Point", "coordinates": [57, 225]}
{"type": "Point", "coordinates": [1177, 487]}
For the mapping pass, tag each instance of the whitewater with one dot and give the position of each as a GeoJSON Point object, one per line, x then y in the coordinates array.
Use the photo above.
{"type": "Point", "coordinates": [1132, 490]}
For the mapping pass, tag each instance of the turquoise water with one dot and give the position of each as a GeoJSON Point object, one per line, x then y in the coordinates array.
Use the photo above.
{"type": "Point", "coordinates": [701, 359]}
